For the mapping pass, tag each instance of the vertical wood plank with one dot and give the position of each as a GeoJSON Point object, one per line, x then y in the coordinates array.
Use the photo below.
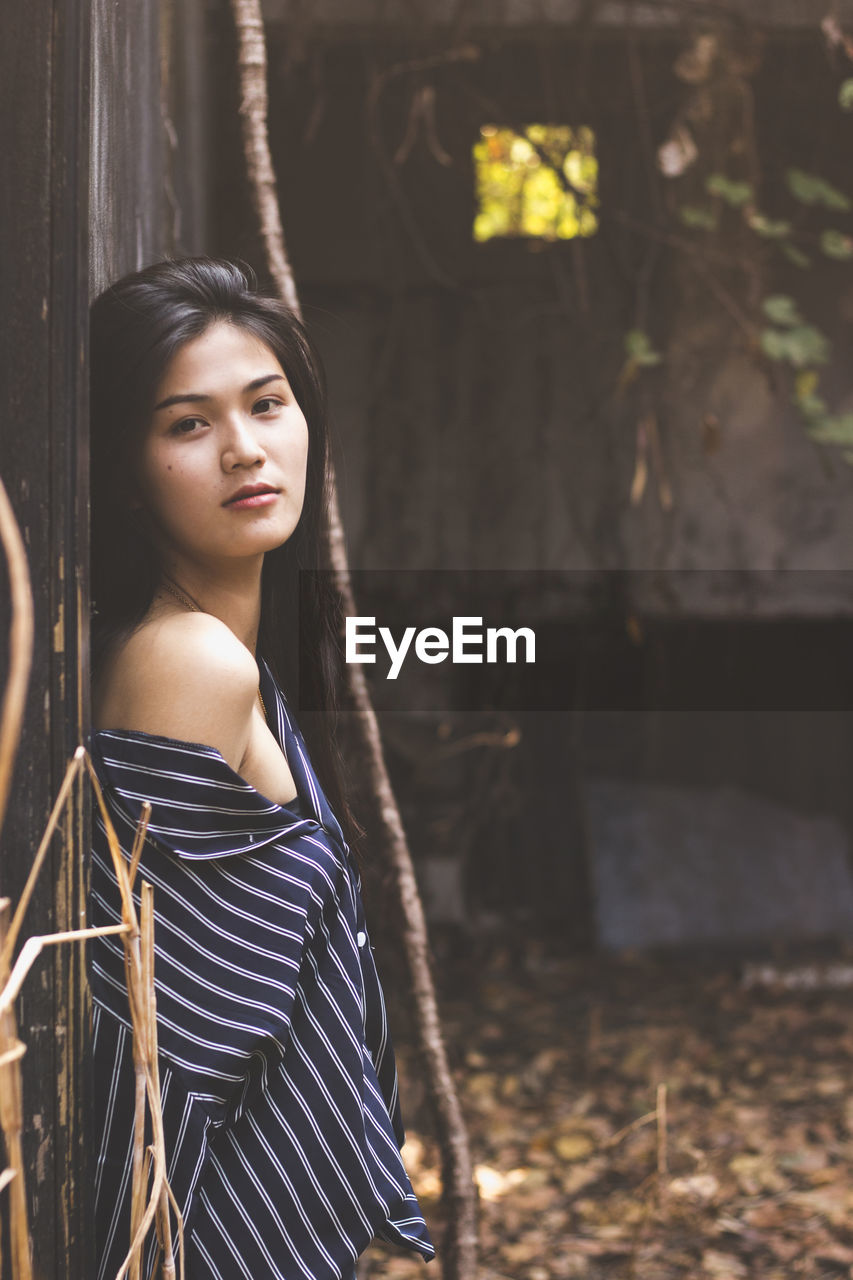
{"type": "Point", "coordinates": [69, 611]}
{"type": "Point", "coordinates": [27, 125]}
{"type": "Point", "coordinates": [85, 146]}
{"type": "Point", "coordinates": [43, 297]}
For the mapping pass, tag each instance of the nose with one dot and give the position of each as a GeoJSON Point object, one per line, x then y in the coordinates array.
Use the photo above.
{"type": "Point", "coordinates": [241, 446]}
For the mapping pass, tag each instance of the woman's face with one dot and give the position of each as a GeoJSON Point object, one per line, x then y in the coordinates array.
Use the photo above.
{"type": "Point", "coordinates": [221, 470]}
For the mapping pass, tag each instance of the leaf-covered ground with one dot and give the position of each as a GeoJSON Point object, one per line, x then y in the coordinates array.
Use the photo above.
{"type": "Point", "coordinates": [657, 1119]}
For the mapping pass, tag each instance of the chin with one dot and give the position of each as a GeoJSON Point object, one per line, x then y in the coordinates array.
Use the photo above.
{"type": "Point", "coordinates": [263, 541]}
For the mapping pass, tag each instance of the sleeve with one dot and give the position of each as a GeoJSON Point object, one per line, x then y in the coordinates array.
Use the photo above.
{"type": "Point", "coordinates": [240, 886]}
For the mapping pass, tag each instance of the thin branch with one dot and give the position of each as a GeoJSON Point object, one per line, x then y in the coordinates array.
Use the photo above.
{"type": "Point", "coordinates": [20, 646]}
{"type": "Point", "coordinates": [75, 766]}
{"type": "Point", "coordinates": [33, 948]}
{"type": "Point", "coordinates": [11, 1122]}
{"type": "Point", "coordinates": [460, 1259]}
{"type": "Point", "coordinates": [252, 60]}
{"type": "Point", "coordinates": [12, 1055]}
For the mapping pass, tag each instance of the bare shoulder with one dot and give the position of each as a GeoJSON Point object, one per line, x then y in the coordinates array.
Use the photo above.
{"type": "Point", "coordinates": [184, 676]}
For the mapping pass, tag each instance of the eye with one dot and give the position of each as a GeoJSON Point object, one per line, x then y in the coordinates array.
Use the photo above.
{"type": "Point", "coordinates": [186, 426]}
{"type": "Point", "coordinates": [266, 404]}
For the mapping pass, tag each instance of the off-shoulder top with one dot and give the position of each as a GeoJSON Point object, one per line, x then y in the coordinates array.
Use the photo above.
{"type": "Point", "coordinates": [279, 1087]}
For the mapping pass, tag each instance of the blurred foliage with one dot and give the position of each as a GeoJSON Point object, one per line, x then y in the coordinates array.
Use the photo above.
{"type": "Point", "coordinates": [638, 348]}
{"type": "Point", "coordinates": [541, 183]}
{"type": "Point", "coordinates": [812, 189]}
{"type": "Point", "coordinates": [734, 193]}
{"type": "Point", "coordinates": [787, 338]}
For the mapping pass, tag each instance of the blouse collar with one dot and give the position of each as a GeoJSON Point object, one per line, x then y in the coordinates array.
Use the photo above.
{"type": "Point", "coordinates": [202, 808]}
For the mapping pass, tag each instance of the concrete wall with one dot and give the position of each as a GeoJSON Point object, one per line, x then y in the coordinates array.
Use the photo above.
{"type": "Point", "coordinates": [481, 424]}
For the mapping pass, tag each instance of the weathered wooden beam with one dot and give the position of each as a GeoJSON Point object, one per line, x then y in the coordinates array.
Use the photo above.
{"type": "Point", "coordinates": [516, 15]}
{"type": "Point", "coordinates": [43, 298]}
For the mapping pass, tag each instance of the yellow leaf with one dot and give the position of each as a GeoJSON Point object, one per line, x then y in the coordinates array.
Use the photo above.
{"type": "Point", "coordinates": [482, 1084]}
{"type": "Point", "coordinates": [757, 1173]}
{"type": "Point", "coordinates": [724, 1266]}
{"type": "Point", "coordinates": [805, 383]}
{"type": "Point", "coordinates": [574, 1146]}
{"type": "Point", "coordinates": [701, 1187]}
{"type": "Point", "coordinates": [493, 1183]}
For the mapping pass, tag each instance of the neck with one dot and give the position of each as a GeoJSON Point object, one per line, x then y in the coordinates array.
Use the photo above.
{"type": "Point", "coordinates": [233, 596]}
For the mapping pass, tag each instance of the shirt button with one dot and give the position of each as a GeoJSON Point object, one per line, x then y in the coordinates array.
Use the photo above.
{"type": "Point", "coordinates": [361, 938]}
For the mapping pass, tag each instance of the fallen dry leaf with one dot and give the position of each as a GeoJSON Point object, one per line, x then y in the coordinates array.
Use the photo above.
{"type": "Point", "coordinates": [702, 1187]}
{"type": "Point", "coordinates": [573, 1146]}
{"type": "Point", "coordinates": [723, 1266]}
{"type": "Point", "coordinates": [759, 1135]}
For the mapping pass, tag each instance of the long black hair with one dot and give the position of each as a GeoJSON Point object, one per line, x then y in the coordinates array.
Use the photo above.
{"type": "Point", "coordinates": [136, 326]}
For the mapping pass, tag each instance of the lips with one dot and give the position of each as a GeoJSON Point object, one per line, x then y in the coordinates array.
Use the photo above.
{"type": "Point", "coordinates": [250, 491]}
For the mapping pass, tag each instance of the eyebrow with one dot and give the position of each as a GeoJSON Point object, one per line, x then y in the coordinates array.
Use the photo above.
{"type": "Point", "coordinates": [195, 397]}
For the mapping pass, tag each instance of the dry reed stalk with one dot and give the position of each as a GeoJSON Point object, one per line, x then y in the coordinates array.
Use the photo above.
{"type": "Point", "coordinates": [139, 969]}
{"type": "Point", "coordinates": [161, 1221]}
{"type": "Point", "coordinates": [630, 1128]}
{"type": "Point", "coordinates": [11, 1120]}
{"type": "Point", "coordinates": [11, 1091]}
{"type": "Point", "coordinates": [139, 1180]}
{"type": "Point", "coordinates": [663, 1159]}
{"type": "Point", "coordinates": [12, 1054]}
{"type": "Point", "coordinates": [20, 646]}
{"type": "Point", "coordinates": [74, 768]}
{"type": "Point", "coordinates": [138, 940]}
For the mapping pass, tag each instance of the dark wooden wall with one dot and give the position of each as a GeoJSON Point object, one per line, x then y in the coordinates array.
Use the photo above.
{"type": "Point", "coordinates": [44, 113]}
{"type": "Point", "coordinates": [148, 130]}
{"type": "Point", "coordinates": [101, 134]}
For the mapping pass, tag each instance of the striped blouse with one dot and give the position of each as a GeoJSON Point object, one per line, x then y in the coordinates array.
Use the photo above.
{"type": "Point", "coordinates": [278, 1082]}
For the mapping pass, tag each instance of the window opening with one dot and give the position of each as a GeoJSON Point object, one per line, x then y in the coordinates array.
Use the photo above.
{"type": "Point", "coordinates": [540, 183]}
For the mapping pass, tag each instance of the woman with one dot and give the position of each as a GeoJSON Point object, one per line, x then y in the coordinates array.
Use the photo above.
{"type": "Point", "coordinates": [279, 1088]}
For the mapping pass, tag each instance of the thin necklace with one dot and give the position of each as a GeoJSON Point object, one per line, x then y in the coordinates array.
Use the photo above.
{"type": "Point", "coordinates": [186, 599]}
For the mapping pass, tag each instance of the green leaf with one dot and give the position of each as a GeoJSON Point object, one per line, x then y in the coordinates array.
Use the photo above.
{"type": "Point", "coordinates": [795, 255]}
{"type": "Point", "coordinates": [703, 219]}
{"type": "Point", "coordinates": [834, 430]}
{"type": "Point", "coordinates": [812, 407]}
{"type": "Point", "coordinates": [734, 193]}
{"type": "Point", "coordinates": [781, 310]}
{"type": "Point", "coordinates": [807, 345]}
{"type": "Point", "coordinates": [767, 227]}
{"type": "Point", "coordinates": [801, 346]}
{"type": "Point", "coordinates": [639, 348]}
{"type": "Point", "coordinates": [836, 245]}
{"type": "Point", "coordinates": [811, 189]}
{"type": "Point", "coordinates": [774, 344]}
{"type": "Point", "coordinates": [845, 95]}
